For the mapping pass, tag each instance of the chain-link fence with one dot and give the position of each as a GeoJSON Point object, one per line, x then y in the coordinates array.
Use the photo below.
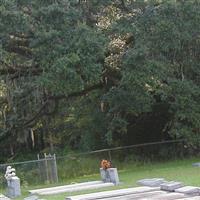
{"type": "Point", "coordinates": [51, 169]}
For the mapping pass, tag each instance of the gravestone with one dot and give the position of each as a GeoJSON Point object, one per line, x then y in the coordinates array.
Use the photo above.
{"type": "Point", "coordinates": [113, 174]}
{"type": "Point", "coordinates": [109, 175]}
{"type": "Point", "coordinates": [104, 175]}
{"type": "Point", "coordinates": [13, 183]}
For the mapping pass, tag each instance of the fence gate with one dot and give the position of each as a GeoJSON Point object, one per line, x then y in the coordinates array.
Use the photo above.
{"type": "Point", "coordinates": [48, 168]}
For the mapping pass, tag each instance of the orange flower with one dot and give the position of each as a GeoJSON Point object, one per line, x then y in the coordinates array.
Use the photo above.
{"type": "Point", "coordinates": [105, 164]}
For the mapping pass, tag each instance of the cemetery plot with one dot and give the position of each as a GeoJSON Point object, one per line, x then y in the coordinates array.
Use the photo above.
{"type": "Point", "coordinates": [114, 193]}
{"type": "Point", "coordinates": [154, 189]}
{"type": "Point", "coordinates": [72, 188]}
{"type": "Point", "coordinates": [137, 194]}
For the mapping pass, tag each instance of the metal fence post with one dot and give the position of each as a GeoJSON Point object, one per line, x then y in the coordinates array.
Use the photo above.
{"type": "Point", "coordinates": [55, 169]}
{"type": "Point", "coordinates": [39, 167]}
{"type": "Point", "coordinates": [46, 167]}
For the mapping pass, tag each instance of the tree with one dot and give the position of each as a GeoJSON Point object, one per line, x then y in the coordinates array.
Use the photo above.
{"type": "Point", "coordinates": [160, 68]}
{"type": "Point", "coordinates": [49, 53]}
{"type": "Point", "coordinates": [124, 64]}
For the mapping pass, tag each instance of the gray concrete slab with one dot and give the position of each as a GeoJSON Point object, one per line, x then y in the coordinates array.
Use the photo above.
{"type": "Point", "coordinates": [167, 196]}
{"type": "Point", "coordinates": [76, 189]}
{"type": "Point", "coordinates": [191, 198]}
{"type": "Point", "coordinates": [153, 182]}
{"type": "Point", "coordinates": [135, 196]}
{"type": "Point", "coordinates": [189, 190]}
{"type": "Point", "coordinates": [38, 191]}
{"type": "Point", "coordinates": [113, 193]}
{"type": "Point", "coordinates": [171, 186]}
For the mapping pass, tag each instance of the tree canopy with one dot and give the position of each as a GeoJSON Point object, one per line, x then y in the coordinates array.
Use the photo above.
{"type": "Point", "coordinates": [86, 74]}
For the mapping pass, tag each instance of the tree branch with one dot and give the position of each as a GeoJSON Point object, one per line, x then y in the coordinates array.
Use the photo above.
{"type": "Point", "coordinates": [21, 50]}
{"type": "Point", "coordinates": [42, 112]}
{"type": "Point", "coordinates": [78, 93]}
{"type": "Point", "coordinates": [19, 70]}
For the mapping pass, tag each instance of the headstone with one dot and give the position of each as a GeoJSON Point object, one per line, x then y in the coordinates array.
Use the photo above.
{"type": "Point", "coordinates": [104, 175]}
{"type": "Point", "coordinates": [14, 187]}
{"type": "Point", "coordinates": [153, 182]}
{"type": "Point", "coordinates": [190, 190]}
{"type": "Point", "coordinates": [113, 174]}
{"type": "Point", "coordinates": [170, 186]}
{"type": "Point", "coordinates": [109, 175]}
{"type": "Point", "coordinates": [13, 183]}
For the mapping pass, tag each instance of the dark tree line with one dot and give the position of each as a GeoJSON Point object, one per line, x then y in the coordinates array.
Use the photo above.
{"type": "Point", "coordinates": [85, 74]}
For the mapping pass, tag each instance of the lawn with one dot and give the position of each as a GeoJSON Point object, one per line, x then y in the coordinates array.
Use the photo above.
{"type": "Point", "coordinates": [179, 170]}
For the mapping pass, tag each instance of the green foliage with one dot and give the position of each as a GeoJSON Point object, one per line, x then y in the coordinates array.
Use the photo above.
{"type": "Point", "coordinates": [159, 66]}
{"type": "Point", "coordinates": [88, 73]}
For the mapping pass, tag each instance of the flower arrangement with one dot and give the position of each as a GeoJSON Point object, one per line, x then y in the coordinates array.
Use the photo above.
{"type": "Point", "coordinates": [108, 173]}
{"type": "Point", "coordinates": [105, 164]}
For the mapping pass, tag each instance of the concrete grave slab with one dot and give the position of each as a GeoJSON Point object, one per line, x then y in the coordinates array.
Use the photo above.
{"type": "Point", "coordinates": [135, 196]}
{"type": "Point", "coordinates": [191, 198]}
{"type": "Point", "coordinates": [167, 196]}
{"type": "Point", "coordinates": [190, 190]}
{"type": "Point", "coordinates": [37, 191]}
{"type": "Point", "coordinates": [72, 188]}
{"type": "Point", "coordinates": [113, 193]}
{"type": "Point", "coordinates": [153, 182]}
{"type": "Point", "coordinates": [171, 186]}
{"type": "Point", "coordinates": [76, 189]}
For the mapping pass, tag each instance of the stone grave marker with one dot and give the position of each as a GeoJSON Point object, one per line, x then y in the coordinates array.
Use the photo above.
{"type": "Point", "coordinates": [13, 183]}
{"type": "Point", "coordinates": [108, 173]}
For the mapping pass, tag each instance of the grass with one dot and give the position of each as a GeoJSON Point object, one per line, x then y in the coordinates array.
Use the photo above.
{"type": "Point", "coordinates": [179, 170]}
